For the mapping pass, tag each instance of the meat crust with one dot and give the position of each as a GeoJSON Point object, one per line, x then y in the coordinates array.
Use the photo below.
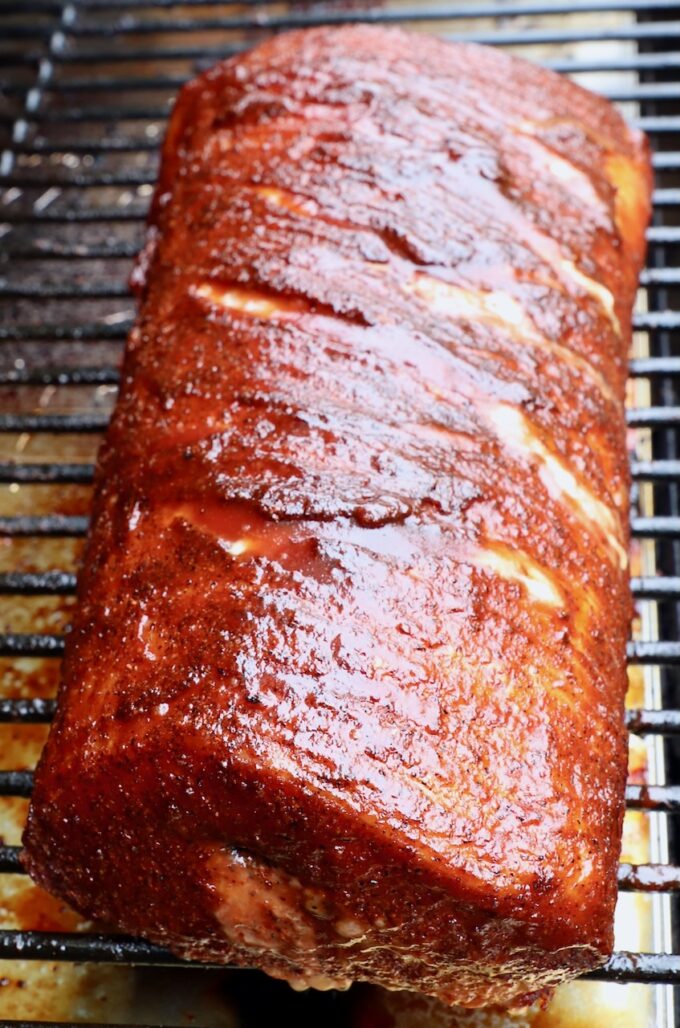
{"type": "Point", "coordinates": [343, 697]}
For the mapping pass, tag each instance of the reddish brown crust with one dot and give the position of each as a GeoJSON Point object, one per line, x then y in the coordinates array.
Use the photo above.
{"type": "Point", "coordinates": [357, 702]}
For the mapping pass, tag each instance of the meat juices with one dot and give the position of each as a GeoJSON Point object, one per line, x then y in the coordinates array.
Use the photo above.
{"type": "Point", "coordinates": [344, 694]}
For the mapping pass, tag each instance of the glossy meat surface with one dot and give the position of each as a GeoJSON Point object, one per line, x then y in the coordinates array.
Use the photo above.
{"type": "Point", "coordinates": [344, 694]}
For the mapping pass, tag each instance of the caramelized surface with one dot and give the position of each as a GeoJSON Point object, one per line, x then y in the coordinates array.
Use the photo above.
{"type": "Point", "coordinates": [344, 693]}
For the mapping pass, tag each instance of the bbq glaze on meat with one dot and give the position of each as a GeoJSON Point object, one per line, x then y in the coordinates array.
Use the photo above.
{"type": "Point", "coordinates": [343, 698]}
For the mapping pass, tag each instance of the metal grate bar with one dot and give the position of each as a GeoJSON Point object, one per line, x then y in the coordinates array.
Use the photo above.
{"type": "Point", "coordinates": [645, 968]}
{"type": "Point", "coordinates": [655, 527]}
{"type": "Point", "coordinates": [663, 276]}
{"type": "Point", "coordinates": [59, 583]}
{"type": "Point", "coordinates": [16, 783]}
{"type": "Point", "coordinates": [206, 53]}
{"type": "Point", "coordinates": [658, 123]}
{"type": "Point", "coordinates": [14, 644]}
{"type": "Point", "coordinates": [77, 114]}
{"type": "Point", "coordinates": [92, 330]}
{"type": "Point", "coordinates": [67, 217]}
{"type": "Point", "coordinates": [60, 376]}
{"type": "Point", "coordinates": [120, 328]}
{"type": "Point", "coordinates": [264, 19]}
{"type": "Point", "coordinates": [9, 860]}
{"type": "Point", "coordinates": [43, 583]}
{"type": "Point", "coordinates": [648, 968]}
{"type": "Point", "coordinates": [41, 711]}
{"type": "Point", "coordinates": [131, 26]}
{"type": "Point", "coordinates": [142, 176]}
{"type": "Point", "coordinates": [56, 250]}
{"type": "Point", "coordinates": [653, 797]}
{"type": "Point", "coordinates": [160, 112]}
{"type": "Point", "coordinates": [84, 473]}
{"type": "Point", "coordinates": [650, 90]}
{"type": "Point", "coordinates": [71, 946]}
{"type": "Point", "coordinates": [112, 83]}
{"type": "Point", "coordinates": [47, 249]}
{"type": "Point", "coordinates": [116, 145]}
{"type": "Point", "coordinates": [666, 160]}
{"type": "Point", "coordinates": [663, 234]}
{"type": "Point", "coordinates": [653, 470]}
{"type": "Point", "coordinates": [36, 7]}
{"type": "Point", "coordinates": [62, 473]}
{"type": "Point", "coordinates": [147, 176]}
{"type": "Point", "coordinates": [49, 525]}
{"type": "Point", "coordinates": [655, 234]}
{"type": "Point", "coordinates": [631, 877]}
{"type": "Point", "coordinates": [175, 80]}
{"type": "Point", "coordinates": [638, 721]}
{"type": "Point", "coordinates": [78, 180]}
{"type": "Point", "coordinates": [664, 319]}
{"type": "Point", "coordinates": [670, 123]}
{"type": "Point", "coordinates": [622, 62]}
{"type": "Point", "coordinates": [656, 652]}
{"type": "Point", "coordinates": [621, 966]}
{"type": "Point", "coordinates": [88, 291]}
{"type": "Point", "coordinates": [31, 645]}
{"type": "Point", "coordinates": [638, 797]}
{"type": "Point", "coordinates": [74, 525]}
{"type": "Point", "coordinates": [28, 711]}
{"type": "Point", "coordinates": [653, 722]}
{"type": "Point", "coordinates": [94, 422]}
{"type": "Point", "coordinates": [79, 376]}
{"type": "Point", "coordinates": [644, 417]}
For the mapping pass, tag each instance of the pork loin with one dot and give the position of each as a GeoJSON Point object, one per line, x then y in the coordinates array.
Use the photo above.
{"type": "Point", "coordinates": [343, 697]}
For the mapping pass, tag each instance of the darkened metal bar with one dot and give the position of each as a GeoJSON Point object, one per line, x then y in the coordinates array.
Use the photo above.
{"type": "Point", "coordinates": [525, 37]}
{"type": "Point", "coordinates": [9, 860]}
{"type": "Point", "coordinates": [14, 644]}
{"type": "Point", "coordinates": [644, 968]}
{"type": "Point", "coordinates": [46, 473]}
{"type": "Point", "coordinates": [489, 10]}
{"type": "Point", "coordinates": [59, 376]}
{"type": "Point", "coordinates": [638, 721]}
{"type": "Point", "coordinates": [653, 722]}
{"type": "Point", "coordinates": [663, 651]}
{"type": "Point", "coordinates": [45, 524]}
{"type": "Point", "coordinates": [88, 422]}
{"type": "Point", "coordinates": [653, 470]}
{"type": "Point", "coordinates": [655, 527]}
{"type": "Point", "coordinates": [37, 583]}
{"type": "Point", "coordinates": [27, 711]}
{"type": "Point", "coordinates": [16, 783]}
{"type": "Point", "coordinates": [62, 524]}
{"type": "Point", "coordinates": [88, 330]}
{"type": "Point", "coordinates": [648, 417]}
{"type": "Point", "coordinates": [652, 417]}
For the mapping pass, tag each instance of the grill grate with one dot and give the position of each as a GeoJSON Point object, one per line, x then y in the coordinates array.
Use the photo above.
{"type": "Point", "coordinates": [85, 87]}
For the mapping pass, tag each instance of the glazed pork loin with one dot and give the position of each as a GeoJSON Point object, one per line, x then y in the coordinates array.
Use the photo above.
{"type": "Point", "coordinates": [343, 697]}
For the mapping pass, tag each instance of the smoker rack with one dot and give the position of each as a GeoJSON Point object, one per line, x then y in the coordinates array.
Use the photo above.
{"type": "Point", "coordinates": [85, 87]}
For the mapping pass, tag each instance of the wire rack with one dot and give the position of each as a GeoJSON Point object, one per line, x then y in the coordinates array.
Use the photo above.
{"type": "Point", "coordinates": [85, 88]}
